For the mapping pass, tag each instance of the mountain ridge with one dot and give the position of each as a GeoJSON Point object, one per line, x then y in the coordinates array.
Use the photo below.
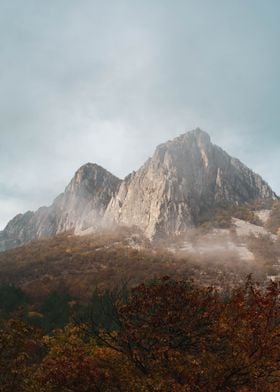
{"type": "Point", "coordinates": [165, 196]}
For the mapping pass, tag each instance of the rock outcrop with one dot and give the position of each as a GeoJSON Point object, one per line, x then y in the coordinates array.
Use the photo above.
{"type": "Point", "coordinates": [184, 178]}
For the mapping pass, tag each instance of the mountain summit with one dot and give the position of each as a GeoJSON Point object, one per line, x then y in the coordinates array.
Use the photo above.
{"type": "Point", "coordinates": [184, 178]}
{"type": "Point", "coordinates": [80, 206]}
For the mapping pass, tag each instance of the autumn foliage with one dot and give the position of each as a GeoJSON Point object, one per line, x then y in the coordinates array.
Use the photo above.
{"type": "Point", "coordinates": [166, 335]}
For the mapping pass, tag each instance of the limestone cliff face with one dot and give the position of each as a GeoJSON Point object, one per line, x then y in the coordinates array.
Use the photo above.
{"type": "Point", "coordinates": [85, 199]}
{"type": "Point", "coordinates": [185, 177]}
{"type": "Point", "coordinates": [82, 205]}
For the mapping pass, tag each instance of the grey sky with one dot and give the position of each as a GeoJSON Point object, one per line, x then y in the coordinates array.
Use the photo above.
{"type": "Point", "coordinates": [106, 81]}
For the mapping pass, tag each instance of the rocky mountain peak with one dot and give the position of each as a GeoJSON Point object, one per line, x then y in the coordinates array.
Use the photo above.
{"type": "Point", "coordinates": [197, 135]}
{"type": "Point", "coordinates": [185, 177]}
{"type": "Point", "coordinates": [79, 207]}
{"type": "Point", "coordinates": [86, 171]}
{"type": "Point", "coordinates": [91, 177]}
{"type": "Point", "coordinates": [190, 144]}
{"type": "Point", "coordinates": [89, 170]}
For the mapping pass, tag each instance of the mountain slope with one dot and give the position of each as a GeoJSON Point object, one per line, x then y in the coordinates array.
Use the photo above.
{"type": "Point", "coordinates": [184, 178]}
{"type": "Point", "coordinates": [110, 258]}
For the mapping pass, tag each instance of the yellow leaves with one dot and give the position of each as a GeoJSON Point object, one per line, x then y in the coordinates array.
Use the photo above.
{"type": "Point", "coordinates": [34, 315]}
{"type": "Point", "coordinates": [17, 347]}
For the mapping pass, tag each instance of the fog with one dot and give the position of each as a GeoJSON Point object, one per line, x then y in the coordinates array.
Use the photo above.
{"type": "Point", "coordinates": [106, 82]}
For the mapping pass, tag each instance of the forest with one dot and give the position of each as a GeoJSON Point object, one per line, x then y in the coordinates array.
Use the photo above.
{"type": "Point", "coordinates": [162, 335]}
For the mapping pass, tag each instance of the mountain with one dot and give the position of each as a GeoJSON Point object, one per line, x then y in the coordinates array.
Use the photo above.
{"type": "Point", "coordinates": [82, 205]}
{"type": "Point", "coordinates": [185, 178]}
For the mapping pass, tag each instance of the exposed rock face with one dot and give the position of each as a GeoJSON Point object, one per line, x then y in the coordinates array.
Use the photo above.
{"type": "Point", "coordinates": [85, 199]}
{"type": "Point", "coordinates": [185, 177]}
{"type": "Point", "coordinates": [82, 205]}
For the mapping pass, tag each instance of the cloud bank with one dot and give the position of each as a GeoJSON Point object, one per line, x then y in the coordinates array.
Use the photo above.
{"type": "Point", "coordinates": [106, 82]}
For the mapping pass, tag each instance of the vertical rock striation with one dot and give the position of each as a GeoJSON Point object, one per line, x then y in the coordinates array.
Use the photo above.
{"type": "Point", "coordinates": [185, 177]}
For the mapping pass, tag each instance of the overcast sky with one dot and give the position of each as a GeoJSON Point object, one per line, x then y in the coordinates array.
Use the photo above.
{"type": "Point", "coordinates": [106, 81]}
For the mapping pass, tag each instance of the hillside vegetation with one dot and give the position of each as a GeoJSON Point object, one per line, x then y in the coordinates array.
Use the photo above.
{"type": "Point", "coordinates": [168, 335]}
{"type": "Point", "coordinates": [112, 312]}
{"type": "Point", "coordinates": [107, 259]}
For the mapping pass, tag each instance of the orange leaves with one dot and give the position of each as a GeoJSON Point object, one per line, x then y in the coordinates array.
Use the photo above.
{"type": "Point", "coordinates": [18, 349]}
{"type": "Point", "coordinates": [192, 337]}
{"type": "Point", "coordinates": [71, 363]}
{"type": "Point", "coordinates": [170, 336]}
